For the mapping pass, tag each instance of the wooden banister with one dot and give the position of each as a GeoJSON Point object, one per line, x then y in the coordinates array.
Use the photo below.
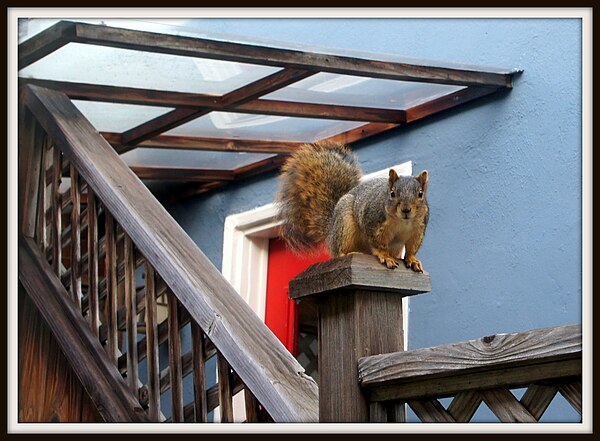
{"type": "Point", "coordinates": [263, 364]}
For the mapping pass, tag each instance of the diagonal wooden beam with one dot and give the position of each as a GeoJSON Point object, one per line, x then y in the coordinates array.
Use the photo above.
{"type": "Point", "coordinates": [244, 94]}
{"type": "Point", "coordinates": [270, 56]}
{"type": "Point", "coordinates": [44, 43]}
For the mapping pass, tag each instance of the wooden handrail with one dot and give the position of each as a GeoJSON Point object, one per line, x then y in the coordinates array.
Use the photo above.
{"type": "Point", "coordinates": [500, 360]}
{"type": "Point", "coordinates": [263, 364]}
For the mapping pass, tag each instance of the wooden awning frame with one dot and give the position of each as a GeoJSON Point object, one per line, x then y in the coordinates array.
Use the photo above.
{"type": "Point", "coordinates": [295, 65]}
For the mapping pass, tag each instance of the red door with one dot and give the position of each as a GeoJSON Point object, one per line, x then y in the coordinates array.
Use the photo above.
{"type": "Point", "coordinates": [281, 314]}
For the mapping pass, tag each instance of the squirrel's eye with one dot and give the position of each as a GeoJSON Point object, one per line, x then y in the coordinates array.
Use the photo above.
{"type": "Point", "coordinates": [420, 193]}
{"type": "Point", "coordinates": [392, 194]}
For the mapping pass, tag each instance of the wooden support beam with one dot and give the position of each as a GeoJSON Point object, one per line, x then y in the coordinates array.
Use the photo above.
{"type": "Point", "coordinates": [242, 95]}
{"type": "Point", "coordinates": [210, 144]}
{"type": "Point", "coordinates": [44, 43]}
{"type": "Point", "coordinates": [161, 98]}
{"type": "Point", "coordinates": [182, 173]}
{"type": "Point", "coordinates": [269, 56]}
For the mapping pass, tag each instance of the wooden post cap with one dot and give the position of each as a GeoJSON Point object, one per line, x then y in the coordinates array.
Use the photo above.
{"type": "Point", "coordinates": [358, 271]}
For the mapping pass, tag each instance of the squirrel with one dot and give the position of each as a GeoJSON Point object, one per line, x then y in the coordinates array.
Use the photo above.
{"type": "Point", "coordinates": [321, 199]}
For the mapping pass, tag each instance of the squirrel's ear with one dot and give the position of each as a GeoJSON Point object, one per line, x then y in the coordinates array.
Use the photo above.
{"type": "Point", "coordinates": [393, 177]}
{"type": "Point", "coordinates": [423, 177]}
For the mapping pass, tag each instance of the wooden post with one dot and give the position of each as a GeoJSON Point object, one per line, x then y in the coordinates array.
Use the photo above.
{"type": "Point", "coordinates": [360, 314]}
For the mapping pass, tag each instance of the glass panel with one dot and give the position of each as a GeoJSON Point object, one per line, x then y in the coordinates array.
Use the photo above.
{"type": "Point", "coordinates": [348, 90]}
{"type": "Point", "coordinates": [191, 158]}
{"type": "Point", "coordinates": [275, 128]}
{"type": "Point", "coordinates": [85, 63]}
{"type": "Point", "coordinates": [109, 117]}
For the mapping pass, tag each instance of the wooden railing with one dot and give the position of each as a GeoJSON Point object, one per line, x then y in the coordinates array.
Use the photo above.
{"type": "Point", "coordinates": [116, 250]}
{"type": "Point", "coordinates": [366, 376]}
{"type": "Point", "coordinates": [547, 361]}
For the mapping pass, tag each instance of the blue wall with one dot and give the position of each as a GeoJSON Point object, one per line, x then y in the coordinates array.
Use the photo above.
{"type": "Point", "coordinates": [504, 242]}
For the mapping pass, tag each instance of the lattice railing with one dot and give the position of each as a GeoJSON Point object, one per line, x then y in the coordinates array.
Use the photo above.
{"type": "Point", "coordinates": [118, 253]}
{"type": "Point", "coordinates": [545, 361]}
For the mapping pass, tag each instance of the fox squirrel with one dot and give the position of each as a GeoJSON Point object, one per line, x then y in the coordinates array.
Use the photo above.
{"type": "Point", "coordinates": [322, 199]}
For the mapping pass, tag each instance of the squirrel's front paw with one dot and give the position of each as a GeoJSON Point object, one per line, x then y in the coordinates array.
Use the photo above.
{"type": "Point", "coordinates": [414, 264]}
{"type": "Point", "coordinates": [390, 262]}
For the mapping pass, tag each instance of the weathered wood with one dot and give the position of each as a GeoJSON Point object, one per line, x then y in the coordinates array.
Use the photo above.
{"type": "Point", "coordinates": [358, 271]}
{"type": "Point", "coordinates": [362, 132]}
{"type": "Point", "coordinates": [199, 143]}
{"type": "Point", "coordinates": [464, 405]}
{"type": "Point", "coordinates": [199, 374]}
{"type": "Point", "coordinates": [152, 346]}
{"type": "Point", "coordinates": [430, 411]}
{"type": "Point", "coordinates": [251, 349]}
{"type": "Point", "coordinates": [44, 43]}
{"type": "Point", "coordinates": [42, 222]}
{"type": "Point", "coordinates": [92, 261]}
{"type": "Point", "coordinates": [164, 98]}
{"type": "Point", "coordinates": [572, 393]}
{"type": "Point", "coordinates": [244, 94]}
{"type": "Point", "coordinates": [252, 407]}
{"type": "Point", "coordinates": [537, 398]}
{"type": "Point", "coordinates": [175, 359]}
{"type": "Point", "coordinates": [56, 213]}
{"type": "Point", "coordinates": [506, 407]}
{"type": "Point", "coordinates": [48, 389]}
{"type": "Point", "coordinates": [447, 102]}
{"type": "Point", "coordinates": [352, 324]}
{"type": "Point", "coordinates": [101, 380]}
{"type": "Point", "coordinates": [377, 412]}
{"type": "Point", "coordinates": [256, 54]}
{"type": "Point", "coordinates": [397, 413]}
{"type": "Point", "coordinates": [503, 360]}
{"type": "Point", "coordinates": [225, 390]}
{"type": "Point", "coordinates": [182, 173]}
{"type": "Point", "coordinates": [111, 287]}
{"type": "Point", "coordinates": [76, 266]}
{"type": "Point", "coordinates": [131, 320]}
{"type": "Point", "coordinates": [30, 165]}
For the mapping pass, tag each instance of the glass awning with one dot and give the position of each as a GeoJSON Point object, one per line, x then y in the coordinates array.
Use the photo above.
{"type": "Point", "coordinates": [182, 105]}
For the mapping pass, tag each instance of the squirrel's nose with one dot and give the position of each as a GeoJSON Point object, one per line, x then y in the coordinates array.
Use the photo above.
{"type": "Point", "coordinates": [406, 210]}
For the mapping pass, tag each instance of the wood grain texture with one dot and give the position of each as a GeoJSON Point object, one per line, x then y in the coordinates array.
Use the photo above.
{"type": "Point", "coordinates": [164, 98]}
{"type": "Point", "coordinates": [225, 390]}
{"type": "Point", "coordinates": [357, 271]}
{"type": "Point", "coordinates": [464, 405]}
{"type": "Point", "coordinates": [131, 316]}
{"type": "Point", "coordinates": [353, 324]}
{"type": "Point", "coordinates": [112, 347]}
{"type": "Point", "coordinates": [572, 393]}
{"type": "Point", "coordinates": [44, 43]}
{"type": "Point", "coordinates": [430, 411]}
{"type": "Point", "coordinates": [537, 398]}
{"type": "Point", "coordinates": [188, 174]}
{"type": "Point", "coordinates": [152, 346]}
{"type": "Point", "coordinates": [56, 212]}
{"type": "Point", "coordinates": [92, 262]}
{"type": "Point", "coordinates": [76, 264]}
{"type": "Point", "coordinates": [102, 381]}
{"type": "Point", "coordinates": [507, 360]}
{"type": "Point", "coordinates": [48, 389]}
{"type": "Point", "coordinates": [255, 54]}
{"type": "Point", "coordinates": [506, 407]}
{"type": "Point", "coordinates": [199, 375]}
{"type": "Point", "coordinates": [262, 362]}
{"type": "Point", "coordinates": [175, 359]}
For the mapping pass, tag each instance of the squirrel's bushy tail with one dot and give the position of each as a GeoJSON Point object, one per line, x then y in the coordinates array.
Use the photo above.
{"type": "Point", "coordinates": [313, 179]}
